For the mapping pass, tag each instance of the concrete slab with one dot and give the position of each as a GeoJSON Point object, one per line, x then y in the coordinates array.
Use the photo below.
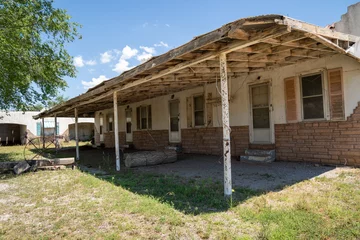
{"type": "Point", "coordinates": [259, 176]}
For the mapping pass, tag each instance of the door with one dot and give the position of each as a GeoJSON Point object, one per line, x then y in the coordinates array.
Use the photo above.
{"type": "Point", "coordinates": [129, 135]}
{"type": "Point", "coordinates": [260, 112]}
{"type": "Point", "coordinates": [174, 119]}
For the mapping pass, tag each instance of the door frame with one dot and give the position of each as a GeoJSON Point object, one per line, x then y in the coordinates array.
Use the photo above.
{"type": "Point", "coordinates": [271, 110]}
{"type": "Point", "coordinates": [132, 130]}
{"type": "Point", "coordinates": [169, 120]}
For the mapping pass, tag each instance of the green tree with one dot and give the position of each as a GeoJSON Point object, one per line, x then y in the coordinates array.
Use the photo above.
{"type": "Point", "coordinates": [33, 58]}
{"type": "Point", "coordinates": [56, 100]}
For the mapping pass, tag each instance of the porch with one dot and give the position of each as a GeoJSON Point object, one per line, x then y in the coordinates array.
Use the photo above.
{"type": "Point", "coordinates": [203, 77]}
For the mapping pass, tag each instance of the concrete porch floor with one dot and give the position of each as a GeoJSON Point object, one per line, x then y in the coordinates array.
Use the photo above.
{"type": "Point", "coordinates": [259, 176]}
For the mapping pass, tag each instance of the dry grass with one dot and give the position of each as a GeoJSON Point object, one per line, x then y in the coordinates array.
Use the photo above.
{"type": "Point", "coordinates": [75, 205]}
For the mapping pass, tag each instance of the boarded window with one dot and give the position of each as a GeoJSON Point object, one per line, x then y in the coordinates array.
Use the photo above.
{"type": "Point", "coordinates": [312, 96]}
{"type": "Point", "coordinates": [290, 99]}
{"type": "Point", "coordinates": [199, 107]}
{"type": "Point", "coordinates": [336, 97]}
{"type": "Point", "coordinates": [143, 117]}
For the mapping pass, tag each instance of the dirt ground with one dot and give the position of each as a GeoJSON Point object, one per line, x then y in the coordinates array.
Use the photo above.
{"type": "Point", "coordinates": [257, 176]}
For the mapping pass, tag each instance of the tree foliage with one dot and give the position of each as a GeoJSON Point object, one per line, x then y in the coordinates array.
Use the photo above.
{"type": "Point", "coordinates": [33, 58]}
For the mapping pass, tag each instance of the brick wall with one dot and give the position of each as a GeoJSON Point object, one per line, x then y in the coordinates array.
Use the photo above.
{"type": "Point", "coordinates": [327, 142]}
{"type": "Point", "coordinates": [109, 139]}
{"type": "Point", "coordinates": [151, 139]}
{"type": "Point", "coordinates": [209, 140]}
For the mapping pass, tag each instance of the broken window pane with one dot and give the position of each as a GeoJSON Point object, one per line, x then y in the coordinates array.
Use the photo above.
{"type": "Point", "coordinates": [313, 108]}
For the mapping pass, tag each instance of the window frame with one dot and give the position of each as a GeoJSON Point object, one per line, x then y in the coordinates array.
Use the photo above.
{"type": "Point", "coordinates": [324, 90]}
{"type": "Point", "coordinates": [110, 116]}
{"type": "Point", "coordinates": [203, 110]}
{"type": "Point", "coordinates": [140, 117]}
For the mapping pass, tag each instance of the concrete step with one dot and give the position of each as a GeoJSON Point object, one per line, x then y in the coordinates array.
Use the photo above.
{"type": "Point", "coordinates": [258, 155]}
{"type": "Point", "coordinates": [259, 152]}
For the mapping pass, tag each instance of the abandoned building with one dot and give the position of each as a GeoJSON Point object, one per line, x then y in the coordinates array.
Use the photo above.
{"type": "Point", "coordinates": [14, 126]}
{"type": "Point", "coordinates": [270, 83]}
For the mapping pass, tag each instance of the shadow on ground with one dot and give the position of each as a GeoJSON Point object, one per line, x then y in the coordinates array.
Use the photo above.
{"type": "Point", "coordinates": [194, 184]}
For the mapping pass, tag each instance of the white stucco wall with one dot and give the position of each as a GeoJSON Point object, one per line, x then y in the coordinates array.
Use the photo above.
{"type": "Point", "coordinates": [349, 22]}
{"type": "Point", "coordinates": [26, 118]}
{"type": "Point", "coordinates": [239, 105]}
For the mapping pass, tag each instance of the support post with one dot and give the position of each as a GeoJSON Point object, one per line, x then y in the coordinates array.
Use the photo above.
{"type": "Point", "coordinates": [43, 131]}
{"type": "Point", "coordinates": [226, 126]}
{"type": "Point", "coordinates": [55, 131]}
{"type": "Point", "coordinates": [77, 135]}
{"type": "Point", "coordinates": [116, 129]}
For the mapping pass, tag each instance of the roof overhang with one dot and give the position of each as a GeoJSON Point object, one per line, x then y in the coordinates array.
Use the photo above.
{"type": "Point", "coordinates": [252, 44]}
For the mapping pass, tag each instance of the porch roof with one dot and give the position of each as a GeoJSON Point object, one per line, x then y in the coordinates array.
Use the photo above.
{"type": "Point", "coordinates": [253, 44]}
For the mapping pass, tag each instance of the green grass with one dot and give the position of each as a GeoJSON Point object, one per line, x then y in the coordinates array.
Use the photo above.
{"type": "Point", "coordinates": [19, 152]}
{"type": "Point", "coordinates": [72, 204]}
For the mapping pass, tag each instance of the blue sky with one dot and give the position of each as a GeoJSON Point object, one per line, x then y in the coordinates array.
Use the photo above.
{"type": "Point", "coordinates": [117, 35]}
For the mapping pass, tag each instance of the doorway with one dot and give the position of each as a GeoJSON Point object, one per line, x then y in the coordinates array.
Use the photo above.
{"type": "Point", "coordinates": [174, 121]}
{"type": "Point", "coordinates": [260, 114]}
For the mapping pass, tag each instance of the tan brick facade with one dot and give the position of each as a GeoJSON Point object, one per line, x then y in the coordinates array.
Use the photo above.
{"type": "Point", "coordinates": [209, 140]}
{"type": "Point", "coordinates": [151, 139]}
{"type": "Point", "coordinates": [327, 142]}
{"type": "Point", "coordinates": [109, 139]}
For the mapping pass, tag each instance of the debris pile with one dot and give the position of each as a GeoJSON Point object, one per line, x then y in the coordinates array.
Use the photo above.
{"type": "Point", "coordinates": [20, 167]}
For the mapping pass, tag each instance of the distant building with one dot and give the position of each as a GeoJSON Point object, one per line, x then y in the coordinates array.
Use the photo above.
{"type": "Point", "coordinates": [14, 126]}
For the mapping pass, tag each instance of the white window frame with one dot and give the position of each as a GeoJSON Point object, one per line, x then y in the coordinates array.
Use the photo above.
{"type": "Point", "coordinates": [140, 117]}
{"type": "Point", "coordinates": [324, 95]}
{"type": "Point", "coordinates": [193, 109]}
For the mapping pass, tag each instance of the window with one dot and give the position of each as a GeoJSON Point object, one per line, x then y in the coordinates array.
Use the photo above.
{"type": "Point", "coordinates": [312, 96]}
{"type": "Point", "coordinates": [199, 110]}
{"type": "Point", "coordinates": [143, 117]}
{"type": "Point", "coordinates": [101, 125]}
{"type": "Point", "coordinates": [110, 123]}
{"type": "Point", "coordinates": [128, 120]}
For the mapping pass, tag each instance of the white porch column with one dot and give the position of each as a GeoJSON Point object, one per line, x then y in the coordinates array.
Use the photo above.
{"type": "Point", "coordinates": [43, 131]}
{"type": "Point", "coordinates": [226, 126]}
{"type": "Point", "coordinates": [77, 135]}
{"type": "Point", "coordinates": [116, 129]}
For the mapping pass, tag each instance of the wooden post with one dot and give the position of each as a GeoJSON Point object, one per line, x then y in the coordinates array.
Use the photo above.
{"type": "Point", "coordinates": [43, 131]}
{"type": "Point", "coordinates": [76, 135]}
{"type": "Point", "coordinates": [116, 129]}
{"type": "Point", "coordinates": [55, 130]}
{"type": "Point", "coordinates": [226, 125]}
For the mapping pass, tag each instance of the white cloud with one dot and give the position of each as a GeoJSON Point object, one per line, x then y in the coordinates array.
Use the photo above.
{"type": "Point", "coordinates": [91, 70]}
{"type": "Point", "coordinates": [78, 61]}
{"type": "Point", "coordinates": [144, 56]}
{"type": "Point", "coordinates": [121, 66]}
{"type": "Point", "coordinates": [106, 57]}
{"type": "Point", "coordinates": [128, 52]}
{"type": "Point", "coordinates": [93, 82]}
{"type": "Point", "coordinates": [145, 24]}
{"type": "Point", "coordinates": [150, 50]}
{"type": "Point", "coordinates": [161, 44]}
{"type": "Point", "coordinates": [90, 62]}
{"type": "Point", "coordinates": [168, 25]}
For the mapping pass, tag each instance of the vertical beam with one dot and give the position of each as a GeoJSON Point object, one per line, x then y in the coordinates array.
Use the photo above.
{"type": "Point", "coordinates": [43, 131]}
{"type": "Point", "coordinates": [116, 129]}
{"type": "Point", "coordinates": [226, 125]}
{"type": "Point", "coordinates": [77, 135]}
{"type": "Point", "coordinates": [55, 130]}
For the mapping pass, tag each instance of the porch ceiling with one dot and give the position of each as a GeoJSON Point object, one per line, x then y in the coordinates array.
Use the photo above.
{"type": "Point", "coordinates": [252, 45]}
